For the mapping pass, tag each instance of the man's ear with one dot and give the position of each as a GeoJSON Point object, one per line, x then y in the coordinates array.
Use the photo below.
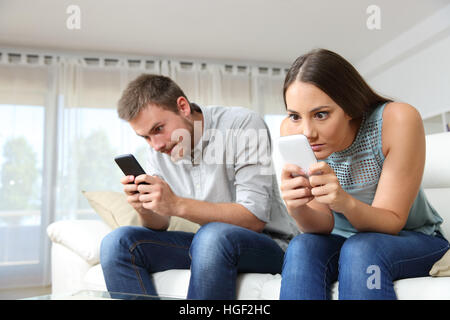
{"type": "Point", "coordinates": [183, 106]}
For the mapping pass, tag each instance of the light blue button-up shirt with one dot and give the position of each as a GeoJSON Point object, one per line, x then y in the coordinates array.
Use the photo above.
{"type": "Point", "coordinates": [232, 163]}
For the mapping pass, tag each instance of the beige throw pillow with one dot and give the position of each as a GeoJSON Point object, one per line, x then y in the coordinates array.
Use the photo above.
{"type": "Point", "coordinates": [115, 211]}
{"type": "Point", "coordinates": [113, 208]}
{"type": "Point", "coordinates": [442, 267]}
{"type": "Point", "coordinates": [180, 224]}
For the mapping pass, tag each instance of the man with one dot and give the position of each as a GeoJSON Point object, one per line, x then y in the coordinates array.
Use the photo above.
{"type": "Point", "coordinates": [200, 171]}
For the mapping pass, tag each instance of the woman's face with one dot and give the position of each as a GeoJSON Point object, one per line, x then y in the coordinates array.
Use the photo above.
{"type": "Point", "coordinates": [313, 113]}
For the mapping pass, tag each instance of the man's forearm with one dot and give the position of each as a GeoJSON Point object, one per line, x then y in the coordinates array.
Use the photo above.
{"type": "Point", "coordinates": [203, 212]}
{"type": "Point", "coordinates": [152, 220]}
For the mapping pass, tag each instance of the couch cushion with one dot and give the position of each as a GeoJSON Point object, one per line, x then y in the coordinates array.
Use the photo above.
{"type": "Point", "coordinates": [94, 279]}
{"type": "Point", "coordinates": [424, 288]}
{"type": "Point", "coordinates": [254, 286]}
{"type": "Point", "coordinates": [258, 286]}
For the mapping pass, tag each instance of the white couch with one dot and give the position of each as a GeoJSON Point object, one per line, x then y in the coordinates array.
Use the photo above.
{"type": "Point", "coordinates": [76, 246]}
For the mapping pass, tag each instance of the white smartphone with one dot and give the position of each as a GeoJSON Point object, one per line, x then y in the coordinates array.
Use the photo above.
{"type": "Point", "coordinates": [295, 149]}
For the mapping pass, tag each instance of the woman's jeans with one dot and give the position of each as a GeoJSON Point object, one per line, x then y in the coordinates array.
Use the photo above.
{"type": "Point", "coordinates": [215, 255]}
{"type": "Point", "coordinates": [365, 264]}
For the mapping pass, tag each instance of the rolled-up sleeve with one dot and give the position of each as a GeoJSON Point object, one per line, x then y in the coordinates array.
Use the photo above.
{"type": "Point", "coordinates": [253, 167]}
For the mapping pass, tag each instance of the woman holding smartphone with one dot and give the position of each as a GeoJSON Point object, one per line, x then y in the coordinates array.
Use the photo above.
{"type": "Point", "coordinates": [365, 219]}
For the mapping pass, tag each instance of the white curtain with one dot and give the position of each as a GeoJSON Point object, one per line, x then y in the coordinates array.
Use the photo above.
{"type": "Point", "coordinates": [25, 93]}
{"type": "Point", "coordinates": [268, 90]}
{"type": "Point", "coordinates": [59, 133]}
{"type": "Point", "coordinates": [89, 131]}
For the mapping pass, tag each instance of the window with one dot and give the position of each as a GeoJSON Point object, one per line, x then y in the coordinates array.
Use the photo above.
{"type": "Point", "coordinates": [21, 164]}
{"type": "Point", "coordinates": [91, 139]}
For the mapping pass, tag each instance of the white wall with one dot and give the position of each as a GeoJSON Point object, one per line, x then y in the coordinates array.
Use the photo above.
{"type": "Point", "coordinates": [415, 67]}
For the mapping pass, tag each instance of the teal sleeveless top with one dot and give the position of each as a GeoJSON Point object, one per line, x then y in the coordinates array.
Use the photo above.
{"type": "Point", "coordinates": [358, 169]}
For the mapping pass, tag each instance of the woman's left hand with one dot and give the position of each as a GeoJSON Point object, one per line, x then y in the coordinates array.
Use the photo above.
{"type": "Point", "coordinates": [326, 188]}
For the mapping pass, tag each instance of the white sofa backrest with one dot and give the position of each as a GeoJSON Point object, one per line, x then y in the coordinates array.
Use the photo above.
{"type": "Point", "coordinates": [437, 164]}
{"type": "Point", "coordinates": [436, 178]}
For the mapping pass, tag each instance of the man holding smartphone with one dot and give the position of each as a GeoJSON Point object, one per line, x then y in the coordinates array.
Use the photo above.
{"type": "Point", "coordinates": [244, 225]}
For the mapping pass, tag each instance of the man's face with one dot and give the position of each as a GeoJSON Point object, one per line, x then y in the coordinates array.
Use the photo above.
{"type": "Point", "coordinates": [157, 126]}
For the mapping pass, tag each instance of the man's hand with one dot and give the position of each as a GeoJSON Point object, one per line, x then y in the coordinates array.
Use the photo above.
{"type": "Point", "coordinates": [156, 195]}
{"type": "Point", "coordinates": [130, 189]}
{"type": "Point", "coordinates": [148, 217]}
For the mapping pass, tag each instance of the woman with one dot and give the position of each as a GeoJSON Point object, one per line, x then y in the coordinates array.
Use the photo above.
{"type": "Point", "coordinates": [365, 220]}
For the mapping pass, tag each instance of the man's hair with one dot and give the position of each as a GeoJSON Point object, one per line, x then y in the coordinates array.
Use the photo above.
{"type": "Point", "coordinates": [149, 89]}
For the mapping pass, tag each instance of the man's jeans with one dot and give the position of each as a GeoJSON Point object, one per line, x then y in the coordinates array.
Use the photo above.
{"type": "Point", "coordinates": [215, 255]}
{"type": "Point", "coordinates": [365, 264]}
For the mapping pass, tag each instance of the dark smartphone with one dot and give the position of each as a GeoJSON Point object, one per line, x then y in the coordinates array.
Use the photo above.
{"type": "Point", "coordinates": [129, 165]}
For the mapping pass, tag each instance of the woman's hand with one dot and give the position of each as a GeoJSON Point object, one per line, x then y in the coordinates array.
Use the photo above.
{"type": "Point", "coordinates": [295, 188]}
{"type": "Point", "coordinates": [326, 188]}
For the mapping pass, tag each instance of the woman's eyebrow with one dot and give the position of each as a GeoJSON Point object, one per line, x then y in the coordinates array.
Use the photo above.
{"type": "Point", "coordinates": [318, 108]}
{"type": "Point", "coordinates": [311, 111]}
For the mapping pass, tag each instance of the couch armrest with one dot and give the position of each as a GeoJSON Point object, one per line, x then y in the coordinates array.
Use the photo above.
{"type": "Point", "coordinates": [81, 236]}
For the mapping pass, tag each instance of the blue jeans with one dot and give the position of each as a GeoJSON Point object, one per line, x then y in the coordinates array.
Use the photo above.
{"type": "Point", "coordinates": [215, 255]}
{"type": "Point", "coordinates": [365, 264]}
